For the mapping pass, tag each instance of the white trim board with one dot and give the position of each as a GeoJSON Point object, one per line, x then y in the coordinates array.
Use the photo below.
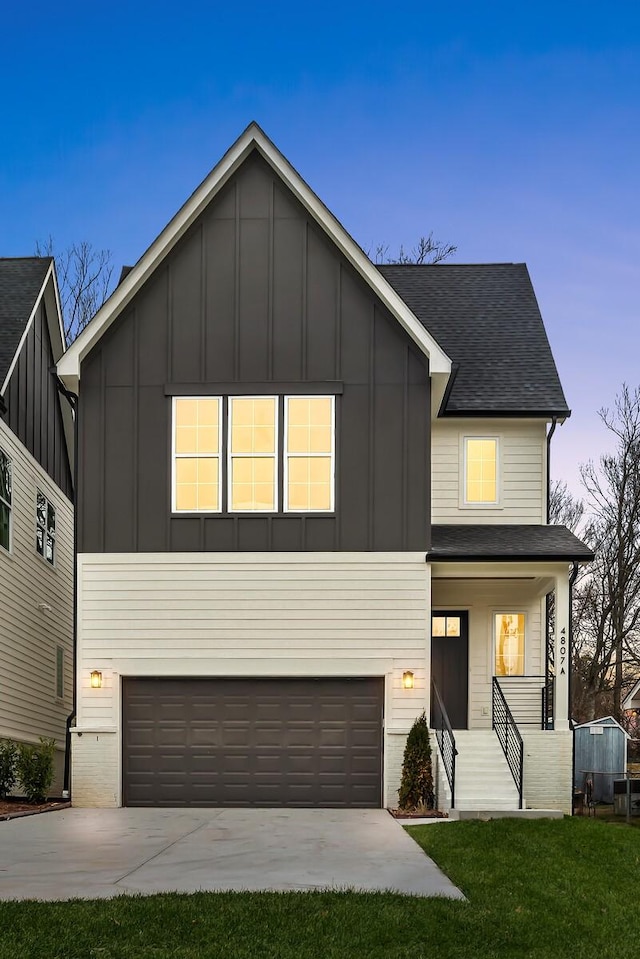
{"type": "Point", "coordinates": [252, 139]}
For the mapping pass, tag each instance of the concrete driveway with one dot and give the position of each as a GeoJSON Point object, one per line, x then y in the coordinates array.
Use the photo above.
{"type": "Point", "coordinates": [97, 853]}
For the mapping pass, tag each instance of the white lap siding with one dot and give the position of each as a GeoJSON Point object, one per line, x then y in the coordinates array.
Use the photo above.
{"type": "Point", "coordinates": [241, 614]}
{"type": "Point", "coordinates": [522, 471]}
{"type": "Point", "coordinates": [36, 611]}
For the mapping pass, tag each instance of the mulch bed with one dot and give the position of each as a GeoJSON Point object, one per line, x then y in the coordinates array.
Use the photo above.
{"type": "Point", "coordinates": [11, 808]}
{"type": "Point", "coordinates": [417, 814]}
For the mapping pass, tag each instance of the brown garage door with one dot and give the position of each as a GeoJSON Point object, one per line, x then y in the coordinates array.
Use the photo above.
{"type": "Point", "coordinates": [252, 742]}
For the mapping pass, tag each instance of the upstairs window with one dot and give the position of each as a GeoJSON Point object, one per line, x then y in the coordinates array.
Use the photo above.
{"type": "Point", "coordinates": [196, 454]}
{"type": "Point", "coordinates": [5, 500]}
{"type": "Point", "coordinates": [480, 471]}
{"type": "Point", "coordinates": [274, 454]}
{"type": "Point", "coordinates": [253, 429]}
{"type": "Point", "coordinates": [45, 528]}
{"type": "Point", "coordinates": [309, 453]}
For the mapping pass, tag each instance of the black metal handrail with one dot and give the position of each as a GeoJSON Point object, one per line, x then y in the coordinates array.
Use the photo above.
{"type": "Point", "coordinates": [548, 693]}
{"type": "Point", "coordinates": [508, 736]}
{"type": "Point", "coordinates": [445, 739]}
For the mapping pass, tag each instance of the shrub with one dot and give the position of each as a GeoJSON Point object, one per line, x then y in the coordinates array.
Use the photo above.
{"type": "Point", "coordinates": [8, 755]}
{"type": "Point", "coordinates": [34, 767]}
{"type": "Point", "coordinates": [416, 785]}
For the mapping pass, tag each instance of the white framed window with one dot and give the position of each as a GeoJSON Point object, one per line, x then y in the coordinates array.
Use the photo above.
{"type": "Point", "coordinates": [45, 527]}
{"type": "Point", "coordinates": [6, 485]}
{"type": "Point", "coordinates": [309, 458]}
{"type": "Point", "coordinates": [509, 644]}
{"type": "Point", "coordinates": [253, 454]}
{"type": "Point", "coordinates": [59, 672]}
{"type": "Point", "coordinates": [196, 458]}
{"type": "Point", "coordinates": [480, 480]}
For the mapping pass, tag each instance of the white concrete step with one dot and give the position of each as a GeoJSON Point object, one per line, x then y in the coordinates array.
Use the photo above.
{"type": "Point", "coordinates": [483, 778]}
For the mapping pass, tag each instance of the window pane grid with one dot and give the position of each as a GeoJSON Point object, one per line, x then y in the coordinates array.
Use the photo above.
{"type": "Point", "coordinates": [196, 454]}
{"type": "Point", "coordinates": [253, 442]}
{"type": "Point", "coordinates": [480, 479]}
{"type": "Point", "coordinates": [309, 443]}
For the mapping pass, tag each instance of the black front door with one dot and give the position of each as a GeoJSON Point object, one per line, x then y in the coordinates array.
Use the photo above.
{"type": "Point", "coordinates": [450, 663]}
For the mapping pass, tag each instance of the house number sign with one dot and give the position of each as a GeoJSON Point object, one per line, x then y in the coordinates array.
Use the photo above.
{"type": "Point", "coordinates": [563, 650]}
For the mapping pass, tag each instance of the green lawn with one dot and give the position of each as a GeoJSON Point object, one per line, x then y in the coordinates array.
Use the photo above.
{"type": "Point", "coordinates": [544, 889]}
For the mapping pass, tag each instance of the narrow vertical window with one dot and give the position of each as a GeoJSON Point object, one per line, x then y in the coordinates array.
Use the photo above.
{"type": "Point", "coordinates": [59, 672]}
{"type": "Point", "coordinates": [509, 640]}
{"type": "Point", "coordinates": [481, 462]}
{"type": "Point", "coordinates": [45, 527]}
{"type": "Point", "coordinates": [196, 454]}
{"type": "Point", "coordinates": [5, 500]}
{"type": "Point", "coordinates": [253, 444]}
{"type": "Point", "coordinates": [309, 453]}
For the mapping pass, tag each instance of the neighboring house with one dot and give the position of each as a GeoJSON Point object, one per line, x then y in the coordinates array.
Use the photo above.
{"type": "Point", "coordinates": [632, 699]}
{"type": "Point", "coordinates": [36, 512]}
{"type": "Point", "coordinates": [306, 486]}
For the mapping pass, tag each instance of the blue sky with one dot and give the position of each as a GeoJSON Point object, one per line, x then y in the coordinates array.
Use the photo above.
{"type": "Point", "coordinates": [511, 130]}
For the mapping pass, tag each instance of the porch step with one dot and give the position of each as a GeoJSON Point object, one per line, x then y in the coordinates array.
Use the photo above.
{"type": "Point", "coordinates": [483, 779]}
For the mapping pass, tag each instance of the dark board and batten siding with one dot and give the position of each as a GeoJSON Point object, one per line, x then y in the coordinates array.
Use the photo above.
{"type": "Point", "coordinates": [254, 293]}
{"type": "Point", "coordinates": [33, 404]}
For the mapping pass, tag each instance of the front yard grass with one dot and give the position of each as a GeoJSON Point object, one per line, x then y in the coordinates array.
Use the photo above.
{"type": "Point", "coordinates": [542, 889]}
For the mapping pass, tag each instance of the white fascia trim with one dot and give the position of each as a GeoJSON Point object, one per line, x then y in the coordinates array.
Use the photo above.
{"type": "Point", "coordinates": [246, 559]}
{"type": "Point", "coordinates": [25, 332]}
{"type": "Point", "coordinates": [627, 702]}
{"type": "Point", "coordinates": [253, 137]}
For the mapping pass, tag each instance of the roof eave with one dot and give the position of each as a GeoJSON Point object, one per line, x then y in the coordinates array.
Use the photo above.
{"type": "Point", "coordinates": [435, 557]}
{"type": "Point", "coordinates": [252, 138]}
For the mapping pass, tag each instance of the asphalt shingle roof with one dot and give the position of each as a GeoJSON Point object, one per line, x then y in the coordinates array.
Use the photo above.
{"type": "Point", "coordinates": [486, 318]}
{"type": "Point", "coordinates": [487, 542]}
{"type": "Point", "coordinates": [21, 280]}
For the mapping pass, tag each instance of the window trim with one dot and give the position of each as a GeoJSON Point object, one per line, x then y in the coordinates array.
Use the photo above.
{"type": "Point", "coordinates": [48, 502]}
{"type": "Point", "coordinates": [464, 503]}
{"type": "Point", "coordinates": [514, 611]}
{"type": "Point", "coordinates": [8, 549]}
{"type": "Point", "coordinates": [286, 456]}
{"type": "Point", "coordinates": [175, 456]}
{"type": "Point", "coordinates": [275, 456]}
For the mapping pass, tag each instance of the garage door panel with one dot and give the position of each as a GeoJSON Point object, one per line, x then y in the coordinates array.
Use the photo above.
{"type": "Point", "coordinates": [244, 742]}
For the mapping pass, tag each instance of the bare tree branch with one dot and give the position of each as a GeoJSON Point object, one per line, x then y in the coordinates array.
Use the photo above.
{"type": "Point", "coordinates": [84, 278]}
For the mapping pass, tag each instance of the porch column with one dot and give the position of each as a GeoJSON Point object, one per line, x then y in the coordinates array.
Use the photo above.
{"type": "Point", "coordinates": [561, 652]}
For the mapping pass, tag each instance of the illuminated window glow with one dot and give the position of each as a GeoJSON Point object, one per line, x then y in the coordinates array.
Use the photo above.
{"type": "Point", "coordinates": [481, 456]}
{"type": "Point", "coordinates": [196, 445]}
{"type": "Point", "coordinates": [309, 470]}
{"type": "Point", "coordinates": [252, 453]}
{"type": "Point", "coordinates": [509, 632]}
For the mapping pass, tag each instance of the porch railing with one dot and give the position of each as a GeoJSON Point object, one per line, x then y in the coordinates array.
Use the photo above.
{"type": "Point", "coordinates": [509, 736]}
{"type": "Point", "coordinates": [445, 739]}
{"type": "Point", "coordinates": [530, 699]}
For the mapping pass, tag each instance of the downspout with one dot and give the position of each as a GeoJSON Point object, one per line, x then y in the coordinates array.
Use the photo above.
{"type": "Point", "coordinates": [572, 579]}
{"type": "Point", "coordinates": [73, 402]}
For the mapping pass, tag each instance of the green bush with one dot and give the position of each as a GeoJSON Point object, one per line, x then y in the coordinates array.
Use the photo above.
{"type": "Point", "coordinates": [34, 767]}
{"type": "Point", "coordinates": [416, 785]}
{"type": "Point", "coordinates": [8, 756]}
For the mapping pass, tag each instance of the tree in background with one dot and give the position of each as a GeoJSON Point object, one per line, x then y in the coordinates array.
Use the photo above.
{"type": "Point", "coordinates": [84, 280]}
{"type": "Point", "coordinates": [427, 250]}
{"type": "Point", "coordinates": [606, 595]}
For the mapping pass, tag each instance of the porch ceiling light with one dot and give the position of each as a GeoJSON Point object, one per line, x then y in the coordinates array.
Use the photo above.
{"type": "Point", "coordinates": [96, 679]}
{"type": "Point", "coordinates": [407, 679]}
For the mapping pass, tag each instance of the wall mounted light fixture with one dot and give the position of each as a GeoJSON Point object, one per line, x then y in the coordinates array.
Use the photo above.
{"type": "Point", "coordinates": [96, 679]}
{"type": "Point", "coordinates": [407, 679]}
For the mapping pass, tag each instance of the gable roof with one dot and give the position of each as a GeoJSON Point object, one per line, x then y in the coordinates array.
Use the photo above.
{"type": "Point", "coordinates": [486, 318]}
{"type": "Point", "coordinates": [608, 721]}
{"type": "Point", "coordinates": [632, 699]}
{"type": "Point", "coordinates": [476, 543]}
{"type": "Point", "coordinates": [22, 280]}
{"type": "Point", "coordinates": [252, 139]}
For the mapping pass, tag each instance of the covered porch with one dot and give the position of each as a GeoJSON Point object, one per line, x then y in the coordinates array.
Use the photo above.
{"type": "Point", "coordinates": [499, 681]}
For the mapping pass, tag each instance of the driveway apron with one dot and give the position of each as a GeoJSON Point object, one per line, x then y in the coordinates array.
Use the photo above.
{"type": "Point", "coordinates": [99, 853]}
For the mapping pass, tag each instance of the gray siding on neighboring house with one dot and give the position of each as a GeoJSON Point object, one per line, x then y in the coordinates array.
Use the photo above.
{"type": "Point", "coordinates": [254, 294]}
{"type": "Point", "coordinates": [33, 404]}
